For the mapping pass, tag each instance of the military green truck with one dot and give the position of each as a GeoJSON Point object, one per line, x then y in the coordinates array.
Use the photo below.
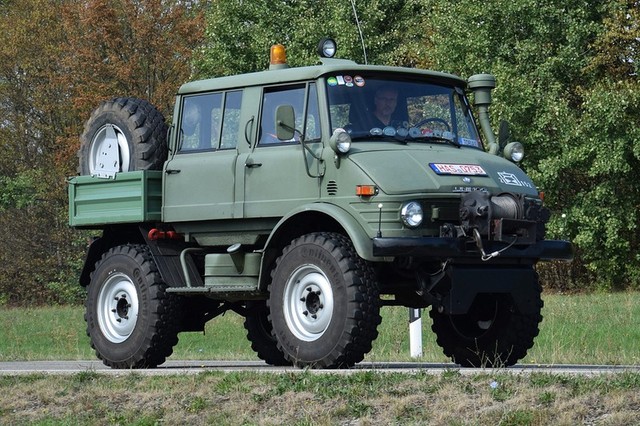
{"type": "Point", "coordinates": [305, 199]}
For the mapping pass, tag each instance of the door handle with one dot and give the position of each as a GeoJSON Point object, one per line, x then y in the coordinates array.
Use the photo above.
{"type": "Point", "coordinates": [252, 165]}
{"type": "Point", "coordinates": [172, 171]}
{"type": "Point", "coordinates": [247, 130]}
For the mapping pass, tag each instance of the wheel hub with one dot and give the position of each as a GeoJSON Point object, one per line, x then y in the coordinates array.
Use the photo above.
{"type": "Point", "coordinates": [122, 306]}
{"type": "Point", "coordinates": [313, 302]}
{"type": "Point", "coordinates": [308, 306]}
{"type": "Point", "coordinates": [117, 309]}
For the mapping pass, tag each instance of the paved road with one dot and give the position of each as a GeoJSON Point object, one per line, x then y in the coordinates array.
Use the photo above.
{"type": "Point", "coordinates": [195, 367]}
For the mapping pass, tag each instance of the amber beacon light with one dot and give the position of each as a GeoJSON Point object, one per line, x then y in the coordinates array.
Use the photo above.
{"type": "Point", "coordinates": [278, 56]}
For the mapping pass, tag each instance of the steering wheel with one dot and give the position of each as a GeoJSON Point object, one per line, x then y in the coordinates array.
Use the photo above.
{"type": "Point", "coordinates": [433, 119]}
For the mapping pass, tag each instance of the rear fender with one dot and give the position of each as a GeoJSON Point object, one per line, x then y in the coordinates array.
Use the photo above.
{"type": "Point", "coordinates": [94, 253]}
{"type": "Point", "coordinates": [112, 236]}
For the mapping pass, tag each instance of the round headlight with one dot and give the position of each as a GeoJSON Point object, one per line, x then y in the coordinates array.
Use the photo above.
{"type": "Point", "coordinates": [412, 214]}
{"type": "Point", "coordinates": [514, 151]}
{"type": "Point", "coordinates": [327, 48]}
{"type": "Point", "coordinates": [340, 141]}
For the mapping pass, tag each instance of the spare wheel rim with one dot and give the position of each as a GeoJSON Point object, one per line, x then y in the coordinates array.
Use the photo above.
{"type": "Point", "coordinates": [106, 136]}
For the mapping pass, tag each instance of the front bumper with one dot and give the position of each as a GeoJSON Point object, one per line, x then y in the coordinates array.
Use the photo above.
{"type": "Point", "coordinates": [459, 248]}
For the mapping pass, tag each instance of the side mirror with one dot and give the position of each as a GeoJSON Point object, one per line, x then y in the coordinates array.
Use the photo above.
{"type": "Point", "coordinates": [285, 122]}
{"type": "Point", "coordinates": [504, 134]}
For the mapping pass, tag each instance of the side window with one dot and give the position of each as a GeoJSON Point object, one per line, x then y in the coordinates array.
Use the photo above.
{"type": "Point", "coordinates": [272, 98]}
{"type": "Point", "coordinates": [312, 123]}
{"type": "Point", "coordinates": [231, 120]}
{"type": "Point", "coordinates": [200, 125]}
{"type": "Point", "coordinates": [465, 127]}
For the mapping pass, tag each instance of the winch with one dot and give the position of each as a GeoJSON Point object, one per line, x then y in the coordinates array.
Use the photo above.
{"type": "Point", "coordinates": [497, 218]}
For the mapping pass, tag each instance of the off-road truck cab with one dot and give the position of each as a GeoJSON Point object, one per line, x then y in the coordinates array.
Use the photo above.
{"type": "Point", "coordinates": [282, 196]}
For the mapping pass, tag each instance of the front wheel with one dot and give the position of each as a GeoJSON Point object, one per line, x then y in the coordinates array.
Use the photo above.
{"type": "Point", "coordinates": [492, 334]}
{"type": "Point", "coordinates": [324, 302]}
{"type": "Point", "coordinates": [131, 319]}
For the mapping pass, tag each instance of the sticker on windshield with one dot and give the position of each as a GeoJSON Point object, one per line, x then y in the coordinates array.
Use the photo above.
{"type": "Point", "coordinates": [348, 81]}
{"type": "Point", "coordinates": [429, 133]}
{"type": "Point", "coordinates": [458, 169]}
{"type": "Point", "coordinates": [345, 80]}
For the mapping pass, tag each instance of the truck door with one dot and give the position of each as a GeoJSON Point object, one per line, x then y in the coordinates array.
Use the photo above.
{"type": "Point", "coordinates": [200, 178]}
{"type": "Point", "coordinates": [276, 176]}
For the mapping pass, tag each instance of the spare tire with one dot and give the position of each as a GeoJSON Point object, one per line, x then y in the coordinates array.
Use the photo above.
{"type": "Point", "coordinates": [137, 127]}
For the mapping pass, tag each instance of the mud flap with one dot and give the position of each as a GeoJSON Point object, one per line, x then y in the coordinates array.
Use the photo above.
{"type": "Point", "coordinates": [468, 282]}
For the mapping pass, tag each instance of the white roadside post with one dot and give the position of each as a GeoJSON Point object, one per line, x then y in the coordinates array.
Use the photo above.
{"type": "Point", "coordinates": [415, 333]}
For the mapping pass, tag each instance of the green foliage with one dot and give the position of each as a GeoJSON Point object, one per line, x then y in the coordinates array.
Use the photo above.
{"type": "Point", "coordinates": [19, 191]}
{"type": "Point", "coordinates": [239, 33]}
{"type": "Point", "coordinates": [572, 103]}
{"type": "Point", "coordinates": [58, 60]}
{"type": "Point", "coordinates": [567, 75]}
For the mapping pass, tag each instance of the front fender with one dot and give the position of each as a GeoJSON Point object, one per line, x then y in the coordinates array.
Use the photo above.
{"type": "Point", "coordinates": [325, 213]}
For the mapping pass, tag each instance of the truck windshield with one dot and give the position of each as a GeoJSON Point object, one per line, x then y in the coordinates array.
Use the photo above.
{"type": "Point", "coordinates": [408, 110]}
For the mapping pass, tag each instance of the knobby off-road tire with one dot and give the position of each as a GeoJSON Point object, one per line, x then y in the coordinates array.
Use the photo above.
{"type": "Point", "coordinates": [131, 319]}
{"type": "Point", "coordinates": [260, 334]}
{"type": "Point", "coordinates": [492, 334]}
{"type": "Point", "coordinates": [137, 127]}
{"type": "Point", "coordinates": [324, 302]}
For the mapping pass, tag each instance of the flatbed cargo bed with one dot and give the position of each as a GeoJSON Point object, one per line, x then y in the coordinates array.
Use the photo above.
{"type": "Point", "coordinates": [131, 197]}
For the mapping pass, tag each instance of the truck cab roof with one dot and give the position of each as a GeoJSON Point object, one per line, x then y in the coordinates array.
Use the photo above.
{"type": "Point", "coordinates": [329, 66]}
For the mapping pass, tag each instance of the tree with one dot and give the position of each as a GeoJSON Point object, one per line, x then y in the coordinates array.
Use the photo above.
{"type": "Point", "coordinates": [58, 60]}
{"type": "Point", "coordinates": [37, 246]}
{"type": "Point", "coordinates": [567, 82]}
{"type": "Point", "coordinates": [239, 33]}
{"type": "Point", "coordinates": [138, 48]}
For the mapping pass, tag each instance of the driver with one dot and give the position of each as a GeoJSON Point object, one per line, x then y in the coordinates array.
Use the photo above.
{"type": "Point", "coordinates": [380, 114]}
{"type": "Point", "coordinates": [385, 102]}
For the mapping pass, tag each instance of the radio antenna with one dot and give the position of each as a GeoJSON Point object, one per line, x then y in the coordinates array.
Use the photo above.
{"type": "Point", "coordinates": [355, 14]}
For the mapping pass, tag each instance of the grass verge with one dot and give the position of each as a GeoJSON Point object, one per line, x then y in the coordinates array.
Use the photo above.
{"type": "Point", "coordinates": [577, 329]}
{"type": "Point", "coordinates": [305, 398]}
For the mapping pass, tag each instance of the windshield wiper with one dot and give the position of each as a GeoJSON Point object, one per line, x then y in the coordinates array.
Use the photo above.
{"type": "Point", "coordinates": [369, 136]}
{"type": "Point", "coordinates": [437, 139]}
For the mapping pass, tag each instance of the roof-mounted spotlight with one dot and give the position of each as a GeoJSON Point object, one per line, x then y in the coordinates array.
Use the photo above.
{"type": "Point", "coordinates": [327, 48]}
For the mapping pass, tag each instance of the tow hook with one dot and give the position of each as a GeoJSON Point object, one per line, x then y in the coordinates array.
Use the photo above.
{"type": "Point", "coordinates": [484, 256]}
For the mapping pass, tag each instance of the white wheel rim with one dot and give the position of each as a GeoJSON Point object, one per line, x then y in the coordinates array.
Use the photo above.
{"type": "Point", "coordinates": [107, 136]}
{"type": "Point", "coordinates": [117, 308]}
{"type": "Point", "coordinates": [308, 303]}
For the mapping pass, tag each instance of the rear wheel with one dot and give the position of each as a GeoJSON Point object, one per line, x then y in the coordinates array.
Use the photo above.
{"type": "Point", "coordinates": [132, 126]}
{"type": "Point", "coordinates": [131, 319]}
{"type": "Point", "coordinates": [324, 302]}
{"type": "Point", "coordinates": [259, 333]}
{"type": "Point", "coordinates": [492, 334]}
